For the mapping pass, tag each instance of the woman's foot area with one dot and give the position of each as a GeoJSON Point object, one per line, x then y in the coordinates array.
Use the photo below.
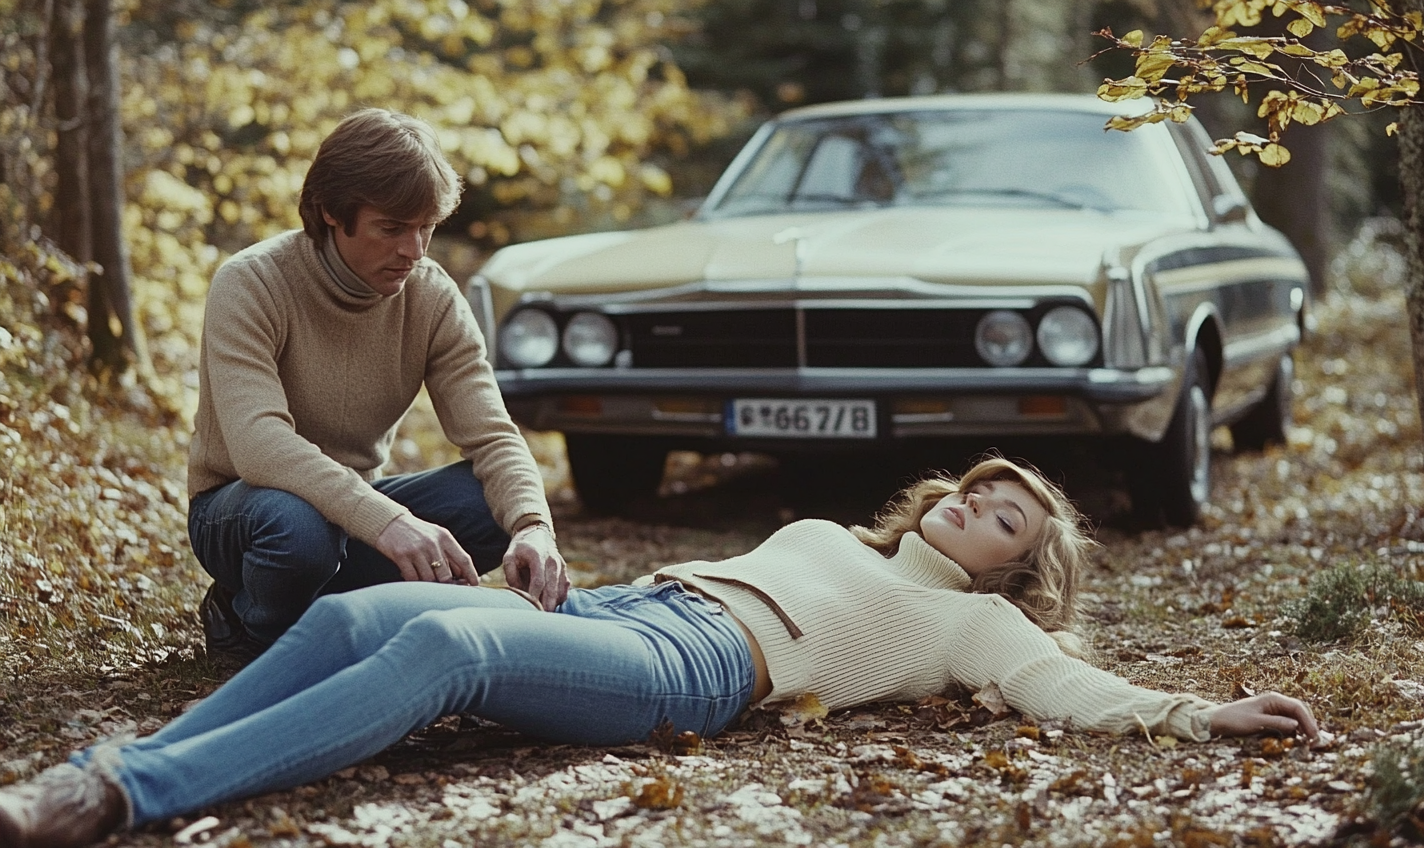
{"type": "Point", "coordinates": [65, 807]}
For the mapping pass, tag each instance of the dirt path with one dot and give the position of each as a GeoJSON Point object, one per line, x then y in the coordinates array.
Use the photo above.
{"type": "Point", "coordinates": [1198, 610]}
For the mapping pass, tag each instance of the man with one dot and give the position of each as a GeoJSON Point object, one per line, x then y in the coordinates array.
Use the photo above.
{"type": "Point", "coordinates": [315, 344]}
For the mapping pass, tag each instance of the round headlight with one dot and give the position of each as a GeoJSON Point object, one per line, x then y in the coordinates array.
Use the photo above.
{"type": "Point", "coordinates": [1003, 338]}
{"type": "Point", "coordinates": [1068, 336]}
{"type": "Point", "coordinates": [529, 339]}
{"type": "Point", "coordinates": [590, 339]}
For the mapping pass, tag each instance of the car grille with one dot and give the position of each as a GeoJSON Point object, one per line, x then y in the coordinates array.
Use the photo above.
{"type": "Point", "coordinates": [826, 338]}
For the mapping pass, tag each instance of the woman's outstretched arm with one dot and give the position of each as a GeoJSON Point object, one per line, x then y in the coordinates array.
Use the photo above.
{"type": "Point", "coordinates": [1270, 712]}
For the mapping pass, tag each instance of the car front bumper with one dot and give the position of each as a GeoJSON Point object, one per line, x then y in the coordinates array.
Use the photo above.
{"type": "Point", "coordinates": [692, 403]}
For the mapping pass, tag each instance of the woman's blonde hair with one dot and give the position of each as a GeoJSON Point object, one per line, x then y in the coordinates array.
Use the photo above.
{"type": "Point", "coordinates": [1044, 583]}
{"type": "Point", "coordinates": [383, 159]}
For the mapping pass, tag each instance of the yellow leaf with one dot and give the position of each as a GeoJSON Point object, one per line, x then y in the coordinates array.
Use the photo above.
{"type": "Point", "coordinates": [1133, 38]}
{"type": "Point", "coordinates": [1213, 35]}
{"type": "Point", "coordinates": [1124, 123]}
{"type": "Point", "coordinates": [1151, 67]}
{"type": "Point", "coordinates": [655, 179]}
{"type": "Point", "coordinates": [1307, 112]}
{"type": "Point", "coordinates": [1250, 45]}
{"type": "Point", "coordinates": [1363, 86]}
{"type": "Point", "coordinates": [1382, 38]}
{"type": "Point", "coordinates": [1264, 69]}
{"type": "Point", "coordinates": [1274, 156]}
{"type": "Point", "coordinates": [1128, 88]}
{"type": "Point", "coordinates": [1250, 140]}
{"type": "Point", "coordinates": [1312, 12]}
{"type": "Point", "coordinates": [1300, 27]}
{"type": "Point", "coordinates": [1392, 128]}
{"type": "Point", "coordinates": [1241, 12]}
{"type": "Point", "coordinates": [805, 709]}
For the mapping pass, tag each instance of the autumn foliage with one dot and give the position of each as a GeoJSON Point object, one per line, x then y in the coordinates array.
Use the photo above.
{"type": "Point", "coordinates": [1303, 83]}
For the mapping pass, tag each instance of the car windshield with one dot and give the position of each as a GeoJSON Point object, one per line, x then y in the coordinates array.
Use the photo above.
{"type": "Point", "coordinates": [960, 157]}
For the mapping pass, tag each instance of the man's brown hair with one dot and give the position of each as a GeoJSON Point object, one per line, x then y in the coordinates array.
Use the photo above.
{"type": "Point", "coordinates": [378, 158]}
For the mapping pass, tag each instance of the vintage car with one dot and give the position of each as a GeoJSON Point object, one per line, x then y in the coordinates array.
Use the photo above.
{"type": "Point", "coordinates": [876, 272]}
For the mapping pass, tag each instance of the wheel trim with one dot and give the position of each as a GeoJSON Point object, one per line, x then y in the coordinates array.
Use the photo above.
{"type": "Point", "coordinates": [1199, 443]}
{"type": "Point", "coordinates": [1285, 393]}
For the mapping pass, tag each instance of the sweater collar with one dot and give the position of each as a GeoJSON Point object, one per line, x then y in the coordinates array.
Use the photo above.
{"type": "Point", "coordinates": [351, 285]}
{"type": "Point", "coordinates": [928, 567]}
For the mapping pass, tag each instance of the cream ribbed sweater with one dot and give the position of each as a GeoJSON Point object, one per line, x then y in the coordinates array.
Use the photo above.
{"type": "Point", "coordinates": [838, 620]}
{"type": "Point", "coordinates": [302, 384]}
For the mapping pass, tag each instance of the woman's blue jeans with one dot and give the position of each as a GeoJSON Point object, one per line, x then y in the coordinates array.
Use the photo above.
{"type": "Point", "coordinates": [363, 669]}
{"type": "Point", "coordinates": [276, 553]}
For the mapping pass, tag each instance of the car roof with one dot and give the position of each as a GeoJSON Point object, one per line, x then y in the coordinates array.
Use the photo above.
{"type": "Point", "coordinates": [1087, 103]}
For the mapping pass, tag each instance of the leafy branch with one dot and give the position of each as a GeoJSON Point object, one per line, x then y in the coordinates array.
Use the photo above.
{"type": "Point", "coordinates": [1318, 86]}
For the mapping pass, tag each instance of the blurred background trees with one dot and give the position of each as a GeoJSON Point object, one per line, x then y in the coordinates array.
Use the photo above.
{"type": "Point", "coordinates": [563, 115]}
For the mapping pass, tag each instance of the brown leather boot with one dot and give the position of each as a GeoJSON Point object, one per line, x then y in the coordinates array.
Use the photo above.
{"type": "Point", "coordinates": [65, 807]}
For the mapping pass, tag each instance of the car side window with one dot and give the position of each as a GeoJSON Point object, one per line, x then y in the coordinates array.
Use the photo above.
{"type": "Point", "coordinates": [1218, 191]}
{"type": "Point", "coordinates": [831, 171]}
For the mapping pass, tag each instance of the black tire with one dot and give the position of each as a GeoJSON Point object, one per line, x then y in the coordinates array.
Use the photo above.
{"type": "Point", "coordinates": [1269, 420]}
{"type": "Point", "coordinates": [1171, 479]}
{"type": "Point", "coordinates": [610, 472]}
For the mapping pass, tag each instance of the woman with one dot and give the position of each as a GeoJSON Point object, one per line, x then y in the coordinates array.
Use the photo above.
{"type": "Point", "coordinates": [958, 582]}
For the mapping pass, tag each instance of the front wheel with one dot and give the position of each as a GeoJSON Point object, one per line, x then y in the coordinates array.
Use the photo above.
{"type": "Point", "coordinates": [1171, 479]}
{"type": "Point", "coordinates": [610, 472]}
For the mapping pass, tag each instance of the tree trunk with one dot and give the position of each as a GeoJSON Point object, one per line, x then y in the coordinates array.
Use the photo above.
{"type": "Point", "coordinates": [1411, 178]}
{"type": "Point", "coordinates": [1292, 199]}
{"type": "Point", "coordinates": [71, 156]}
{"type": "Point", "coordinates": [109, 289]}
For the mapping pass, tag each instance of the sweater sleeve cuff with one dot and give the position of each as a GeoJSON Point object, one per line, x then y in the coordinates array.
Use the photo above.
{"type": "Point", "coordinates": [372, 517]}
{"type": "Point", "coordinates": [1200, 723]}
{"type": "Point", "coordinates": [532, 519]}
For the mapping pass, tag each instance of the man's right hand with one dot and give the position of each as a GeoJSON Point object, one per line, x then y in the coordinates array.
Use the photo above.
{"type": "Point", "coordinates": [425, 551]}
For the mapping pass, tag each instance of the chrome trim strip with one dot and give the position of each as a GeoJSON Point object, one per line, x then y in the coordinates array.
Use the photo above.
{"type": "Point", "coordinates": [1261, 345]}
{"type": "Point", "coordinates": [855, 292]}
{"type": "Point", "coordinates": [1100, 384]}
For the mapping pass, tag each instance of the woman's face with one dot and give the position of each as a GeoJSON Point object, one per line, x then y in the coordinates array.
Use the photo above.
{"type": "Point", "coordinates": [991, 523]}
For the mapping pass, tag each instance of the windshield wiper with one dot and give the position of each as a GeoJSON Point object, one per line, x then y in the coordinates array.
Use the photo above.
{"type": "Point", "coordinates": [1065, 202]}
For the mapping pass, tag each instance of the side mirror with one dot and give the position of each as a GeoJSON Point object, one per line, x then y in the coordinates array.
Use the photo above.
{"type": "Point", "coordinates": [1228, 209]}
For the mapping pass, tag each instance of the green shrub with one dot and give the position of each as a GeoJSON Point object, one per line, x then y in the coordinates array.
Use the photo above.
{"type": "Point", "coordinates": [1396, 788]}
{"type": "Point", "coordinates": [1341, 601]}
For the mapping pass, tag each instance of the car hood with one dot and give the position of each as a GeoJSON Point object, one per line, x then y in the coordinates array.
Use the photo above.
{"type": "Point", "coordinates": [970, 246]}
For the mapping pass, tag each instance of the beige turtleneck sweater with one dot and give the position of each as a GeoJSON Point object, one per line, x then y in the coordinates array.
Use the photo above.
{"type": "Point", "coordinates": [838, 620]}
{"type": "Point", "coordinates": [302, 381]}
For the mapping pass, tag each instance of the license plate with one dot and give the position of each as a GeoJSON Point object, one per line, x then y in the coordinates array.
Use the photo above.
{"type": "Point", "coordinates": [812, 419]}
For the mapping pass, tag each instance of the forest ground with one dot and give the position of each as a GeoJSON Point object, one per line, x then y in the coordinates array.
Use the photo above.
{"type": "Point", "coordinates": [97, 637]}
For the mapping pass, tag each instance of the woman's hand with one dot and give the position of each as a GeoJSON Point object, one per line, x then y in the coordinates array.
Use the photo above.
{"type": "Point", "coordinates": [1270, 712]}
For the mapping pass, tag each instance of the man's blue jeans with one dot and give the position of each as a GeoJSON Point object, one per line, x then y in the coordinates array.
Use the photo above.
{"type": "Point", "coordinates": [276, 553]}
{"type": "Point", "coordinates": [362, 669]}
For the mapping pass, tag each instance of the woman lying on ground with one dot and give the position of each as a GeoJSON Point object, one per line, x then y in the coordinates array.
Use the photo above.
{"type": "Point", "coordinates": [969, 581]}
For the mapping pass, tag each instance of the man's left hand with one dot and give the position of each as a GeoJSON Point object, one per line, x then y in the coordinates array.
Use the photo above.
{"type": "Point", "coordinates": [533, 563]}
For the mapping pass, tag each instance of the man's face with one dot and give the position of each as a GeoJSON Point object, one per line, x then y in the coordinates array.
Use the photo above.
{"type": "Point", "coordinates": [382, 250]}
